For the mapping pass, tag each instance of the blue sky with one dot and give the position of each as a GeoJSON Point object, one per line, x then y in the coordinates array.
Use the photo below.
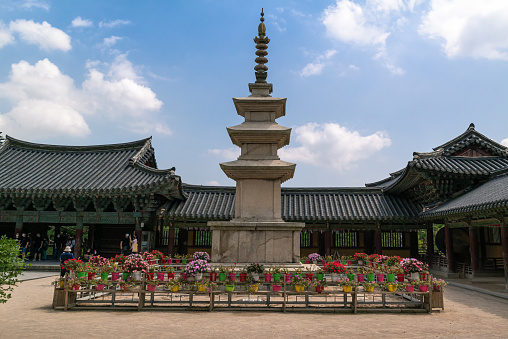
{"type": "Point", "coordinates": [367, 82]}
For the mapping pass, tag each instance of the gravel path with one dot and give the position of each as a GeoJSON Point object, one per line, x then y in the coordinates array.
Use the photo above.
{"type": "Point", "coordinates": [467, 315]}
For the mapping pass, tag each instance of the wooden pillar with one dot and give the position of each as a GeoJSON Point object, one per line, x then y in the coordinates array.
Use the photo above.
{"type": "Point", "coordinates": [328, 240]}
{"type": "Point", "coordinates": [378, 245]}
{"type": "Point", "coordinates": [482, 247]}
{"type": "Point", "coordinates": [504, 244]}
{"type": "Point", "coordinates": [79, 237]}
{"type": "Point", "coordinates": [449, 248]}
{"type": "Point", "coordinates": [430, 243]}
{"type": "Point", "coordinates": [473, 248]}
{"type": "Point", "coordinates": [171, 240]}
{"type": "Point", "coordinates": [413, 244]}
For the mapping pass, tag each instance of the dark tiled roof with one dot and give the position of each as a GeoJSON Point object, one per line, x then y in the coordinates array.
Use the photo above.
{"type": "Point", "coordinates": [28, 168]}
{"type": "Point", "coordinates": [298, 204]}
{"type": "Point", "coordinates": [462, 165]}
{"type": "Point", "coordinates": [489, 196]}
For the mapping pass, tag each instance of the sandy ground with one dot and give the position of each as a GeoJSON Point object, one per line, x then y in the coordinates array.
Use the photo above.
{"type": "Point", "coordinates": [467, 315]}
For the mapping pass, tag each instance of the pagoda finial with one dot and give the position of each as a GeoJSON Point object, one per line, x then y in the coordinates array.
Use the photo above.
{"type": "Point", "coordinates": [261, 44]}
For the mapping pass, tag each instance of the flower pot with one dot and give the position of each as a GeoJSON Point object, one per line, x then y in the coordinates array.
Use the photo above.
{"type": "Point", "coordinates": [151, 288]}
{"type": "Point", "coordinates": [319, 288]}
{"type": "Point", "coordinates": [349, 262]}
{"type": "Point", "coordinates": [104, 275]}
{"type": "Point", "coordinates": [164, 261]}
{"type": "Point", "coordinates": [171, 275]}
{"type": "Point", "coordinates": [222, 276]}
{"type": "Point", "coordinates": [410, 288]}
{"type": "Point", "coordinates": [276, 277]}
{"type": "Point", "coordinates": [288, 277]}
{"type": "Point", "coordinates": [369, 288]}
{"type": "Point", "coordinates": [424, 276]}
{"type": "Point", "coordinates": [137, 275]}
{"type": "Point", "coordinates": [232, 276]}
{"type": "Point", "coordinates": [344, 262]}
{"type": "Point", "coordinates": [125, 276]}
{"type": "Point", "coordinates": [184, 261]}
{"type": "Point", "coordinates": [320, 276]}
{"type": "Point", "coordinates": [243, 277]}
{"type": "Point", "coordinates": [61, 284]}
{"type": "Point", "coordinates": [213, 276]}
{"type": "Point", "coordinates": [360, 277]}
{"type": "Point", "coordinates": [160, 276]}
{"type": "Point", "coordinates": [91, 275]}
{"type": "Point", "coordinates": [268, 277]}
{"type": "Point", "coordinates": [307, 261]}
{"type": "Point", "coordinates": [169, 261]}
{"type": "Point", "coordinates": [346, 288]}
{"type": "Point", "coordinates": [390, 277]}
{"type": "Point", "coordinates": [424, 288]}
{"type": "Point", "coordinates": [81, 274]}
{"type": "Point", "coordinates": [150, 275]}
{"type": "Point", "coordinates": [370, 277]}
{"type": "Point", "coordinates": [115, 276]}
{"type": "Point", "coordinates": [380, 277]}
{"type": "Point", "coordinates": [392, 288]}
{"type": "Point", "coordinates": [151, 262]}
{"type": "Point", "coordinates": [177, 261]}
{"type": "Point", "coordinates": [309, 276]}
{"type": "Point", "coordinates": [276, 288]}
{"type": "Point", "coordinates": [99, 287]}
{"type": "Point", "coordinates": [314, 262]}
{"type": "Point", "coordinates": [299, 288]}
{"type": "Point", "coordinates": [253, 288]}
{"type": "Point", "coordinates": [414, 276]}
{"type": "Point", "coordinates": [255, 276]}
{"type": "Point", "coordinates": [351, 276]}
{"type": "Point", "coordinates": [175, 288]}
{"type": "Point", "coordinates": [76, 286]}
{"type": "Point", "coordinates": [198, 276]}
{"type": "Point", "coordinates": [360, 262]}
{"type": "Point", "coordinates": [335, 277]}
{"type": "Point", "coordinates": [202, 288]}
{"type": "Point", "coordinates": [400, 277]}
{"type": "Point", "coordinates": [230, 288]}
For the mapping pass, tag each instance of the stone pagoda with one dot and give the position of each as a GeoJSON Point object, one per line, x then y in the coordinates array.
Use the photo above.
{"type": "Point", "coordinates": [258, 233]}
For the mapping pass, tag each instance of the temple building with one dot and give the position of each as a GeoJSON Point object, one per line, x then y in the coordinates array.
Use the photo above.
{"type": "Point", "coordinates": [115, 189]}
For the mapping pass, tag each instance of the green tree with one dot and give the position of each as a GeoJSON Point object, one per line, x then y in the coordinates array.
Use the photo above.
{"type": "Point", "coordinates": [11, 265]}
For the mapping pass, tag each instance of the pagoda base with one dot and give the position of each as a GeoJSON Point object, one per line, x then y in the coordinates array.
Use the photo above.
{"type": "Point", "coordinates": [255, 242]}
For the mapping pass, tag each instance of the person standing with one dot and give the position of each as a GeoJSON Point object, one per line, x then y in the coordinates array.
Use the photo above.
{"type": "Point", "coordinates": [66, 255]}
{"type": "Point", "coordinates": [44, 248]}
{"type": "Point", "coordinates": [125, 245]}
{"type": "Point", "coordinates": [134, 243]}
{"type": "Point", "coordinates": [57, 247]}
{"type": "Point", "coordinates": [24, 243]}
{"type": "Point", "coordinates": [37, 246]}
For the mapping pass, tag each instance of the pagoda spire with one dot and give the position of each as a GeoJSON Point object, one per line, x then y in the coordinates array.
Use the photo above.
{"type": "Point", "coordinates": [261, 88]}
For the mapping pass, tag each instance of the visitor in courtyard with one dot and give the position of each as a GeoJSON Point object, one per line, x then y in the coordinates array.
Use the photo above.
{"type": "Point", "coordinates": [58, 245]}
{"type": "Point", "coordinates": [44, 248]}
{"type": "Point", "coordinates": [66, 255]}
{"type": "Point", "coordinates": [125, 245]}
{"type": "Point", "coordinates": [88, 254]}
{"type": "Point", "coordinates": [134, 242]}
{"type": "Point", "coordinates": [37, 246]}
{"type": "Point", "coordinates": [24, 243]}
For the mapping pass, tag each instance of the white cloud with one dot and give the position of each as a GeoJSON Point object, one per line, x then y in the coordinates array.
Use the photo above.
{"type": "Point", "coordinates": [227, 154]}
{"type": "Point", "coordinates": [316, 67]}
{"type": "Point", "coordinates": [505, 142]}
{"type": "Point", "coordinates": [46, 102]}
{"type": "Point", "coordinates": [29, 4]}
{"type": "Point", "coordinates": [469, 28]}
{"type": "Point", "coordinates": [114, 23]}
{"type": "Point", "coordinates": [326, 145]}
{"type": "Point", "coordinates": [346, 21]}
{"type": "Point", "coordinates": [108, 42]}
{"type": "Point", "coordinates": [5, 35]}
{"type": "Point", "coordinates": [41, 34]}
{"type": "Point", "coordinates": [79, 22]}
{"type": "Point", "coordinates": [212, 183]}
{"type": "Point", "coordinates": [333, 146]}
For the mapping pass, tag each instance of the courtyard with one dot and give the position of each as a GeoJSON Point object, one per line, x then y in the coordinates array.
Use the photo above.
{"type": "Point", "coordinates": [467, 314]}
